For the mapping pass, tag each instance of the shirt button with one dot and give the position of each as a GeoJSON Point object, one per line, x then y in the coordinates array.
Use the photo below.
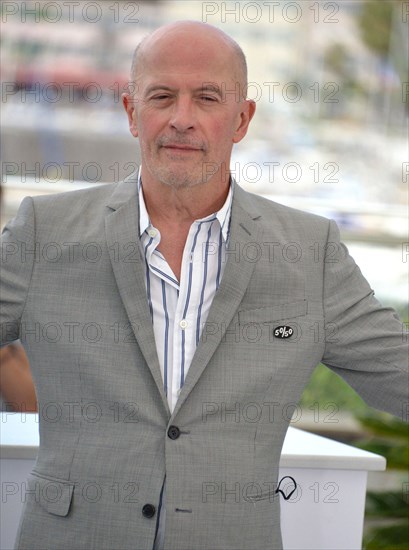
{"type": "Point", "coordinates": [152, 232]}
{"type": "Point", "coordinates": [183, 323]}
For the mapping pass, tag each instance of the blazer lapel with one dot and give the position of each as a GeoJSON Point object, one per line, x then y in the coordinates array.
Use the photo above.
{"type": "Point", "coordinates": [122, 236]}
{"type": "Point", "coordinates": [233, 285]}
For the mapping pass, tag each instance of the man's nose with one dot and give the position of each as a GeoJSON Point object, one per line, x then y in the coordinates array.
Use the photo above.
{"type": "Point", "coordinates": [182, 117]}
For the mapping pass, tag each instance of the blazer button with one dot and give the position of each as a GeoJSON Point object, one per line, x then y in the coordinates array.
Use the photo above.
{"type": "Point", "coordinates": [173, 432]}
{"type": "Point", "coordinates": [148, 510]}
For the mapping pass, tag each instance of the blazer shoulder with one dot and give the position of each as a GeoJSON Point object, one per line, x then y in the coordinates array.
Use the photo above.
{"type": "Point", "coordinates": [270, 211]}
{"type": "Point", "coordinates": [71, 211]}
{"type": "Point", "coordinates": [92, 198]}
{"type": "Point", "coordinates": [81, 196]}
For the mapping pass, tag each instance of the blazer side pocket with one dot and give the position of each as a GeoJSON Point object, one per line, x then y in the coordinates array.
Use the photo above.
{"type": "Point", "coordinates": [276, 312]}
{"type": "Point", "coordinates": [53, 494]}
{"type": "Point", "coordinates": [267, 495]}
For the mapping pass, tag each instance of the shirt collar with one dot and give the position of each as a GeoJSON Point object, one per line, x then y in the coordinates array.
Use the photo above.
{"type": "Point", "coordinates": [223, 215]}
{"type": "Point", "coordinates": [144, 221]}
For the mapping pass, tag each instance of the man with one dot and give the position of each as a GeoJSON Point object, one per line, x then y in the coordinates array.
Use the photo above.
{"type": "Point", "coordinates": [155, 309]}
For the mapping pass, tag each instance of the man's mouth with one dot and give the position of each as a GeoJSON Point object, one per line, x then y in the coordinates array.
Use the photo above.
{"type": "Point", "coordinates": [180, 147]}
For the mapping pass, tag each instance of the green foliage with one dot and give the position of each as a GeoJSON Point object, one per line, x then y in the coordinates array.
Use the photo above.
{"type": "Point", "coordinates": [375, 22]}
{"type": "Point", "coordinates": [327, 387]}
{"type": "Point", "coordinates": [339, 62]}
{"type": "Point", "coordinates": [385, 435]}
{"type": "Point", "coordinates": [388, 436]}
{"type": "Point", "coordinates": [388, 504]}
{"type": "Point", "coordinates": [393, 537]}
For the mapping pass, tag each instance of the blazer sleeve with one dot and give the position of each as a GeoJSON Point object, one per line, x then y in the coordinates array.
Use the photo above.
{"type": "Point", "coordinates": [366, 343]}
{"type": "Point", "coordinates": [17, 263]}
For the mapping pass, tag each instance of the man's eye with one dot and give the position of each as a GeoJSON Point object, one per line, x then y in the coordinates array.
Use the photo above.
{"type": "Point", "coordinates": [208, 99]}
{"type": "Point", "coordinates": [162, 96]}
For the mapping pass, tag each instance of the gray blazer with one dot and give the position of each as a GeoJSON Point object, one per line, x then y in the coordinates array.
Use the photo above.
{"type": "Point", "coordinates": [73, 291]}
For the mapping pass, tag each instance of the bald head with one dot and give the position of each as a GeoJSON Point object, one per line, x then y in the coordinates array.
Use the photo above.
{"type": "Point", "coordinates": [195, 36]}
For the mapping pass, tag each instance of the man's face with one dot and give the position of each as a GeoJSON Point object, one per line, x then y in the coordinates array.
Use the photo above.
{"type": "Point", "coordinates": [187, 110]}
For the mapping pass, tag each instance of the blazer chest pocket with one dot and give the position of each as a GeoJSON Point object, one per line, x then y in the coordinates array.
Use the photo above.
{"type": "Point", "coordinates": [52, 494]}
{"type": "Point", "coordinates": [276, 312]}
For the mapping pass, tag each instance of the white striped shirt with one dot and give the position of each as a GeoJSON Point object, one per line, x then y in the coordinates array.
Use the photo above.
{"type": "Point", "coordinates": [180, 308]}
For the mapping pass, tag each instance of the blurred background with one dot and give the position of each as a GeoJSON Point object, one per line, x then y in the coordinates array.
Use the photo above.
{"type": "Point", "coordinates": [330, 136]}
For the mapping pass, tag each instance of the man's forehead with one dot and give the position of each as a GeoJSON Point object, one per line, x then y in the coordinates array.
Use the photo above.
{"type": "Point", "coordinates": [185, 59]}
{"type": "Point", "coordinates": [184, 73]}
{"type": "Point", "coordinates": [184, 47]}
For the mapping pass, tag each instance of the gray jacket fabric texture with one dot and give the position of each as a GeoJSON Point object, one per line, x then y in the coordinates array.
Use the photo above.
{"type": "Point", "coordinates": [73, 291]}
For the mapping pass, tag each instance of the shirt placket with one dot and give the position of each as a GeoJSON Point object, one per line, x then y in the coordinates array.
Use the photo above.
{"type": "Point", "coordinates": [184, 325]}
{"type": "Point", "coordinates": [165, 296]}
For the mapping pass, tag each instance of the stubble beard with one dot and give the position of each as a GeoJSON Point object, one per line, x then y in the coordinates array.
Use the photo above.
{"type": "Point", "coordinates": [179, 176]}
{"type": "Point", "coordinates": [181, 179]}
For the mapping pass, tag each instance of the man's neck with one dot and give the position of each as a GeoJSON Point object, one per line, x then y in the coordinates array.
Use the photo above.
{"type": "Point", "coordinates": [183, 206]}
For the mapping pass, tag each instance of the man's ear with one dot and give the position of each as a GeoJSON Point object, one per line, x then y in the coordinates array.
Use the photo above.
{"type": "Point", "coordinates": [129, 101]}
{"type": "Point", "coordinates": [246, 114]}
